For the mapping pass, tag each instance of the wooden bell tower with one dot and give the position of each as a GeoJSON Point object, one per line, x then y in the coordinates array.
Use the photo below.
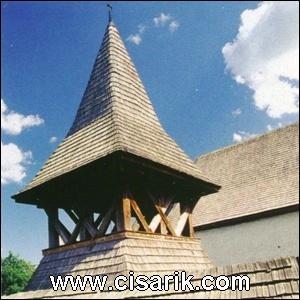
{"type": "Point", "coordinates": [142, 199]}
{"type": "Point", "coordinates": [117, 170]}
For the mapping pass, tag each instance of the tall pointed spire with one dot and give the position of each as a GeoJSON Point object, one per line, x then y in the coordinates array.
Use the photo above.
{"type": "Point", "coordinates": [115, 114]}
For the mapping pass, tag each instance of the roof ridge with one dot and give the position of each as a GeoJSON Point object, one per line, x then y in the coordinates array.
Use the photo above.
{"type": "Point", "coordinates": [251, 140]}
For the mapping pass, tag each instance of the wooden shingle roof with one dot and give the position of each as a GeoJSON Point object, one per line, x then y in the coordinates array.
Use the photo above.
{"type": "Point", "coordinates": [258, 176]}
{"type": "Point", "coordinates": [115, 114]}
{"type": "Point", "coordinates": [117, 254]}
{"type": "Point", "coordinates": [273, 279]}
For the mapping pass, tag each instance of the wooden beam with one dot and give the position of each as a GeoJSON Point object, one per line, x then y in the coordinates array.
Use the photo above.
{"type": "Point", "coordinates": [157, 218]}
{"type": "Point", "coordinates": [165, 220]}
{"type": "Point", "coordinates": [182, 223]}
{"type": "Point", "coordinates": [88, 223]}
{"type": "Point", "coordinates": [163, 228]}
{"type": "Point", "coordinates": [62, 231]}
{"type": "Point", "coordinates": [75, 233]}
{"type": "Point", "coordinates": [105, 222]}
{"type": "Point", "coordinates": [119, 218]}
{"type": "Point", "coordinates": [140, 215]}
{"type": "Point", "coordinates": [191, 227]}
{"type": "Point", "coordinates": [126, 214]}
{"type": "Point", "coordinates": [98, 220]}
{"type": "Point", "coordinates": [84, 233]}
{"type": "Point", "coordinates": [53, 237]}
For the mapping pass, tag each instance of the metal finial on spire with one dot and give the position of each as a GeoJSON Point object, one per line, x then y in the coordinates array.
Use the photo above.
{"type": "Point", "coordinates": [109, 12]}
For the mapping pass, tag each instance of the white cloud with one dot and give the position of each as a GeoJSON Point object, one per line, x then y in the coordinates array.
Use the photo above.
{"type": "Point", "coordinates": [53, 140]}
{"type": "Point", "coordinates": [166, 20]}
{"type": "Point", "coordinates": [141, 28]}
{"type": "Point", "coordinates": [242, 136]}
{"type": "Point", "coordinates": [14, 123]}
{"type": "Point", "coordinates": [162, 20]}
{"type": "Point", "coordinates": [173, 26]}
{"type": "Point", "coordinates": [236, 112]}
{"type": "Point", "coordinates": [265, 56]}
{"type": "Point", "coordinates": [137, 38]}
{"type": "Point", "coordinates": [269, 127]}
{"type": "Point", "coordinates": [13, 160]}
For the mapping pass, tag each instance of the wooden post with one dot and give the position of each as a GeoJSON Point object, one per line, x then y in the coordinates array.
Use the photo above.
{"type": "Point", "coordinates": [119, 217]}
{"type": "Point", "coordinates": [123, 215]}
{"type": "Point", "coordinates": [191, 227]}
{"type": "Point", "coordinates": [53, 236]}
{"type": "Point", "coordinates": [126, 214]}
{"type": "Point", "coordinates": [83, 234]}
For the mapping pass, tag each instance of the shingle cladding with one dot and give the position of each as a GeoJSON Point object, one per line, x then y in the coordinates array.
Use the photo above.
{"type": "Point", "coordinates": [141, 253]}
{"type": "Point", "coordinates": [256, 176]}
{"type": "Point", "coordinates": [115, 114]}
{"type": "Point", "coordinates": [274, 279]}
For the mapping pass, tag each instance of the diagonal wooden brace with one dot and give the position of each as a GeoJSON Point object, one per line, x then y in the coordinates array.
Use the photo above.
{"type": "Point", "coordinates": [104, 223]}
{"type": "Point", "coordinates": [140, 216]}
{"type": "Point", "coordinates": [157, 218]}
{"type": "Point", "coordinates": [59, 227]}
{"type": "Point", "coordinates": [165, 220]}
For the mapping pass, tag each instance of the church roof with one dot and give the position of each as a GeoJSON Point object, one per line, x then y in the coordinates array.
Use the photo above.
{"type": "Point", "coordinates": [257, 176]}
{"type": "Point", "coordinates": [115, 114]}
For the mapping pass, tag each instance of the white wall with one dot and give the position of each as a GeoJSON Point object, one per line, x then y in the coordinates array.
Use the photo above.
{"type": "Point", "coordinates": [258, 240]}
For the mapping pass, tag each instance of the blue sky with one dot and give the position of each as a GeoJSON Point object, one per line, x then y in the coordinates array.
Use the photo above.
{"type": "Point", "coordinates": [205, 98]}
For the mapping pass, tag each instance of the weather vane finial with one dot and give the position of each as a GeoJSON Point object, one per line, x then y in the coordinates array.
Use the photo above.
{"type": "Point", "coordinates": [109, 12]}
